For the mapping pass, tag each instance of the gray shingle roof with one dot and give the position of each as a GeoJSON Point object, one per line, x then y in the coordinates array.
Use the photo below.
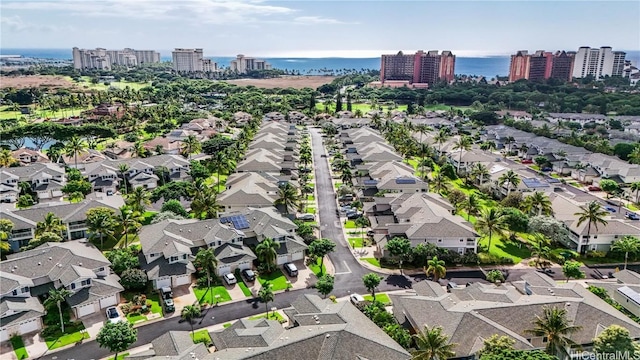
{"type": "Point", "coordinates": [231, 253]}
{"type": "Point", "coordinates": [99, 289]}
{"type": "Point", "coordinates": [23, 308]}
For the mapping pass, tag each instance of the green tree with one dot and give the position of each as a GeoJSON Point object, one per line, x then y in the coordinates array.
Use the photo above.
{"type": "Point", "coordinates": [288, 197]}
{"type": "Point", "coordinates": [175, 207]}
{"type": "Point", "coordinates": [540, 248]}
{"type": "Point", "coordinates": [635, 187]}
{"type": "Point", "coordinates": [593, 214]}
{"type": "Point", "coordinates": [205, 200]}
{"type": "Point", "coordinates": [77, 186]}
{"type": "Point", "coordinates": [538, 203]}
{"type": "Point", "coordinates": [222, 163]}
{"type": "Point", "coordinates": [206, 259]}
{"type": "Point", "coordinates": [123, 169]}
{"type": "Point", "coordinates": [75, 146]}
{"type": "Point", "coordinates": [371, 282]}
{"type": "Point", "coordinates": [6, 227]}
{"type": "Point", "coordinates": [57, 297]}
{"type": "Point", "coordinates": [511, 179]}
{"type": "Point", "coordinates": [191, 145]}
{"type": "Point", "coordinates": [6, 158]}
{"type": "Point", "coordinates": [554, 325]}
{"type": "Point", "coordinates": [463, 144]}
{"type": "Point", "coordinates": [399, 334]}
{"type": "Point", "coordinates": [101, 223]}
{"type": "Point", "coordinates": [134, 279]}
{"type": "Point", "coordinates": [494, 276]}
{"type": "Point", "coordinates": [496, 344]}
{"type": "Point", "coordinates": [266, 296]}
{"type": "Point", "coordinates": [117, 337]}
{"type": "Point", "coordinates": [609, 186]}
{"type": "Point", "coordinates": [626, 245]}
{"type": "Point", "coordinates": [189, 313]}
{"type": "Point", "coordinates": [320, 248]}
{"type": "Point", "coordinates": [571, 269]}
{"type": "Point", "coordinates": [491, 222]}
{"type": "Point", "coordinates": [436, 268]}
{"type": "Point", "coordinates": [471, 206]}
{"type": "Point", "coordinates": [399, 248]}
{"type": "Point", "coordinates": [43, 238]}
{"type": "Point", "coordinates": [518, 355]}
{"type": "Point", "coordinates": [123, 259]}
{"type": "Point", "coordinates": [129, 220]}
{"type": "Point", "coordinates": [615, 340]}
{"type": "Point", "coordinates": [456, 198]}
{"type": "Point", "coordinates": [324, 285]}
{"type": "Point", "coordinates": [432, 344]}
{"type": "Point", "coordinates": [138, 198]}
{"type": "Point", "coordinates": [362, 222]}
{"type": "Point", "coordinates": [51, 223]}
{"type": "Point", "coordinates": [267, 252]}
{"type": "Point", "coordinates": [25, 201]}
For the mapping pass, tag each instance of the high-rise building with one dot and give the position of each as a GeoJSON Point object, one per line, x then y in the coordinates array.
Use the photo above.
{"type": "Point", "coordinates": [243, 64]}
{"type": "Point", "coordinates": [103, 59]}
{"type": "Point", "coordinates": [540, 65]}
{"type": "Point", "coordinates": [419, 68]}
{"type": "Point", "coordinates": [191, 61]}
{"type": "Point", "coordinates": [598, 62]}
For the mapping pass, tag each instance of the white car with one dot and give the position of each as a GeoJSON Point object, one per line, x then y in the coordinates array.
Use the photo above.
{"type": "Point", "coordinates": [306, 217]}
{"type": "Point", "coordinates": [230, 279]}
{"type": "Point", "coordinates": [356, 298]}
{"type": "Point", "coordinates": [112, 315]}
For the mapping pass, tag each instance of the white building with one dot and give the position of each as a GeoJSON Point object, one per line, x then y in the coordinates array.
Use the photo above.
{"type": "Point", "coordinates": [103, 59]}
{"type": "Point", "coordinates": [598, 62]}
{"type": "Point", "coordinates": [243, 64]}
{"type": "Point", "coordinates": [191, 60]}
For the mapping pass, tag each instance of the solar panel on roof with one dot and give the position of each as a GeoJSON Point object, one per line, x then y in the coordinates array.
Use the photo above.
{"type": "Point", "coordinates": [370, 182]}
{"type": "Point", "coordinates": [405, 181]}
{"type": "Point", "coordinates": [534, 183]}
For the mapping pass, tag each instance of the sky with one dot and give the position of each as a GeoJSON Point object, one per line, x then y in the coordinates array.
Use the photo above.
{"type": "Point", "coordinates": [306, 28]}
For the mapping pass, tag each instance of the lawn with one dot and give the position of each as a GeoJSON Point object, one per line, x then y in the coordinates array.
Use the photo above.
{"type": "Point", "coordinates": [632, 207]}
{"type": "Point", "coordinates": [316, 268]}
{"type": "Point", "coordinates": [226, 325]}
{"type": "Point", "coordinates": [245, 289]}
{"type": "Point", "coordinates": [310, 210]}
{"type": "Point", "coordinates": [356, 242]}
{"type": "Point", "coordinates": [508, 249]}
{"type": "Point", "coordinates": [117, 84]}
{"type": "Point", "coordinates": [201, 336]}
{"type": "Point", "coordinates": [277, 280]}
{"type": "Point", "coordinates": [18, 347]}
{"type": "Point", "coordinates": [120, 356]}
{"type": "Point", "coordinates": [350, 224]}
{"type": "Point", "coordinates": [132, 239]}
{"type": "Point", "coordinates": [147, 217]}
{"type": "Point", "coordinates": [363, 107]}
{"type": "Point", "coordinates": [272, 316]}
{"type": "Point", "coordinates": [211, 295]}
{"type": "Point", "coordinates": [136, 317]}
{"type": "Point", "coordinates": [373, 261]}
{"type": "Point", "coordinates": [107, 243]}
{"type": "Point", "coordinates": [72, 334]}
{"type": "Point", "coordinates": [310, 198]}
{"type": "Point", "coordinates": [383, 298]}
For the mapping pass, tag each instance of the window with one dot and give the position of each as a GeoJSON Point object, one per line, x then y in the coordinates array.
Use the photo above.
{"type": "Point", "coordinates": [461, 240]}
{"type": "Point", "coordinates": [545, 339]}
{"type": "Point", "coordinates": [439, 240]}
{"type": "Point", "coordinates": [152, 255]}
{"type": "Point", "coordinates": [184, 256]}
{"type": "Point", "coordinates": [25, 289]}
{"type": "Point", "coordinates": [174, 258]}
{"type": "Point", "coordinates": [73, 286]}
{"type": "Point", "coordinates": [101, 269]}
{"type": "Point", "coordinates": [86, 282]}
{"type": "Point", "coordinates": [14, 292]}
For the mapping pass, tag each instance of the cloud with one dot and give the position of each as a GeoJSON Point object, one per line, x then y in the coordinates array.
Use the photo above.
{"type": "Point", "coordinates": [315, 20]}
{"type": "Point", "coordinates": [17, 24]}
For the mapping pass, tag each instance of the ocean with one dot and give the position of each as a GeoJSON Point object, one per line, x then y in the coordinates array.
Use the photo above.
{"type": "Point", "coordinates": [486, 66]}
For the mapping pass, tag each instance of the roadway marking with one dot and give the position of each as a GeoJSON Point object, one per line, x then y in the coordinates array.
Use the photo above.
{"type": "Point", "coordinates": [344, 272]}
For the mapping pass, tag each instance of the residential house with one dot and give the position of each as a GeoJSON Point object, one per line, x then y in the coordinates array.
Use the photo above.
{"type": "Point", "coordinates": [527, 185]}
{"type": "Point", "coordinates": [625, 290]}
{"type": "Point", "coordinates": [471, 157]}
{"type": "Point", "coordinates": [420, 217]}
{"type": "Point", "coordinates": [73, 217]}
{"type": "Point", "coordinates": [28, 156]}
{"type": "Point", "coordinates": [388, 177]}
{"type": "Point", "coordinates": [82, 159]}
{"type": "Point", "coordinates": [46, 179]}
{"type": "Point", "coordinates": [249, 189]}
{"type": "Point", "coordinates": [75, 265]}
{"type": "Point", "coordinates": [268, 161]}
{"type": "Point", "coordinates": [470, 315]}
{"type": "Point", "coordinates": [173, 345]}
{"type": "Point", "coordinates": [169, 146]}
{"type": "Point", "coordinates": [120, 149]}
{"type": "Point", "coordinates": [580, 118]}
{"type": "Point", "coordinates": [169, 247]}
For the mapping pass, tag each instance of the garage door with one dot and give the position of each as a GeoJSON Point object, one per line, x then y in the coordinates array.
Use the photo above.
{"type": "Point", "coordinates": [282, 259]}
{"type": "Point", "coordinates": [225, 269]}
{"type": "Point", "coordinates": [85, 310]}
{"type": "Point", "coordinates": [244, 265]}
{"type": "Point", "coordinates": [4, 335]}
{"type": "Point", "coordinates": [108, 301]}
{"type": "Point", "coordinates": [30, 326]}
{"type": "Point", "coordinates": [298, 256]}
{"type": "Point", "coordinates": [182, 280]}
{"type": "Point", "coordinates": [163, 282]}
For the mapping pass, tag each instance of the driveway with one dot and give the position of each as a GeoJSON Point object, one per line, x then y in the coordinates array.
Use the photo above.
{"type": "Point", "coordinates": [95, 322]}
{"type": "Point", "coordinates": [234, 291]}
{"type": "Point", "coordinates": [183, 296]}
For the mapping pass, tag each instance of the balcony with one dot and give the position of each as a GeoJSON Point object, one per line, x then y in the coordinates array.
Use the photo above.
{"type": "Point", "coordinates": [79, 226]}
{"type": "Point", "coordinates": [21, 235]}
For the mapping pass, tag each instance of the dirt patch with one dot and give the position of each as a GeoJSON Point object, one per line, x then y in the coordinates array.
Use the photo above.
{"type": "Point", "coordinates": [21, 82]}
{"type": "Point", "coordinates": [296, 82]}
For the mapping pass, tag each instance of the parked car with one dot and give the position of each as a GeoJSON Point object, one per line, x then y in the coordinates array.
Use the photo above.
{"type": "Point", "coordinates": [109, 192]}
{"type": "Point", "coordinates": [306, 217]}
{"type": "Point", "coordinates": [452, 285]}
{"type": "Point", "coordinates": [546, 169]}
{"type": "Point", "coordinates": [594, 188]}
{"type": "Point", "coordinates": [353, 215]}
{"type": "Point", "coordinates": [347, 197]}
{"type": "Point", "coordinates": [633, 216]}
{"type": "Point", "coordinates": [167, 298]}
{"type": "Point", "coordinates": [356, 299]}
{"type": "Point", "coordinates": [112, 315]}
{"type": "Point", "coordinates": [249, 274]}
{"type": "Point", "coordinates": [291, 269]}
{"type": "Point", "coordinates": [527, 161]}
{"type": "Point", "coordinates": [610, 209]}
{"type": "Point", "coordinates": [370, 233]}
{"type": "Point", "coordinates": [230, 279]}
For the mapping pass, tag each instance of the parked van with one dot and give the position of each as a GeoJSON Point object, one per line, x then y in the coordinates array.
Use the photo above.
{"type": "Point", "coordinates": [291, 269]}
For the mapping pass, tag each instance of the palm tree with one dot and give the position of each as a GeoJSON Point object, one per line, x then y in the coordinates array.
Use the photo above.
{"type": "Point", "coordinates": [305, 159]}
{"type": "Point", "coordinates": [190, 312]}
{"type": "Point", "coordinates": [362, 222]}
{"type": "Point", "coordinates": [488, 146]}
{"type": "Point", "coordinates": [266, 295]}
{"type": "Point", "coordinates": [191, 145]}
{"type": "Point", "coordinates": [205, 200]}
{"type": "Point", "coordinates": [162, 172]}
{"type": "Point", "coordinates": [206, 259]}
{"type": "Point", "coordinates": [138, 198]}
{"type": "Point", "coordinates": [6, 226]}
{"type": "Point", "coordinates": [75, 146]}
{"type": "Point", "coordinates": [471, 205]}
{"type": "Point", "coordinates": [628, 244]}
{"type": "Point", "coordinates": [288, 197]}
{"type": "Point", "coordinates": [440, 182]}
{"type": "Point", "coordinates": [267, 252]}
{"type": "Point", "coordinates": [100, 224]}
{"type": "Point", "coordinates": [480, 172]}
{"type": "Point", "coordinates": [492, 221]}
{"type": "Point", "coordinates": [6, 158]}
{"type": "Point", "coordinates": [222, 162]}
{"type": "Point", "coordinates": [57, 296]}
{"type": "Point", "coordinates": [510, 178]}
{"type": "Point", "coordinates": [424, 150]}
{"type": "Point", "coordinates": [555, 326]}
{"type": "Point", "coordinates": [440, 139]}
{"type": "Point", "coordinates": [634, 156]}
{"type": "Point", "coordinates": [432, 344]}
{"type": "Point", "coordinates": [592, 213]}
{"type": "Point", "coordinates": [538, 203]}
{"type": "Point", "coordinates": [539, 249]}
{"type": "Point", "coordinates": [463, 143]}
{"type": "Point", "coordinates": [635, 187]}
{"type": "Point", "coordinates": [129, 220]}
{"type": "Point", "coordinates": [435, 267]}
{"type": "Point", "coordinates": [51, 223]}
{"type": "Point", "coordinates": [124, 168]}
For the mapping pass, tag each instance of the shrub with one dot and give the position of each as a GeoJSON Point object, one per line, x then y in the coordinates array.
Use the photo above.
{"type": "Point", "coordinates": [203, 340]}
{"type": "Point", "coordinates": [49, 331]}
{"type": "Point", "coordinates": [495, 275]}
{"type": "Point", "coordinates": [333, 298]}
{"type": "Point", "coordinates": [596, 254]}
{"type": "Point", "coordinates": [201, 282]}
{"type": "Point", "coordinates": [133, 279]}
{"type": "Point", "coordinates": [126, 308]}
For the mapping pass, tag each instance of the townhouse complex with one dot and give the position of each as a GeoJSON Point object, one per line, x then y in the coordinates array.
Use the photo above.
{"type": "Point", "coordinates": [103, 59]}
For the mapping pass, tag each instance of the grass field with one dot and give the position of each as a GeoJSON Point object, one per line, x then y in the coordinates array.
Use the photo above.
{"type": "Point", "coordinates": [72, 334]}
{"type": "Point", "coordinates": [272, 316]}
{"type": "Point", "coordinates": [245, 289]}
{"type": "Point", "coordinates": [86, 84]}
{"type": "Point", "coordinates": [508, 249]}
{"type": "Point", "coordinates": [316, 268]}
{"type": "Point", "coordinates": [356, 242]}
{"type": "Point", "coordinates": [350, 224]}
{"type": "Point", "coordinates": [41, 113]}
{"type": "Point", "coordinates": [383, 298]}
{"type": "Point", "coordinates": [373, 261]}
{"type": "Point", "coordinates": [199, 335]}
{"type": "Point", "coordinates": [362, 107]}
{"type": "Point", "coordinates": [18, 347]}
{"type": "Point", "coordinates": [210, 298]}
{"type": "Point", "coordinates": [276, 279]}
